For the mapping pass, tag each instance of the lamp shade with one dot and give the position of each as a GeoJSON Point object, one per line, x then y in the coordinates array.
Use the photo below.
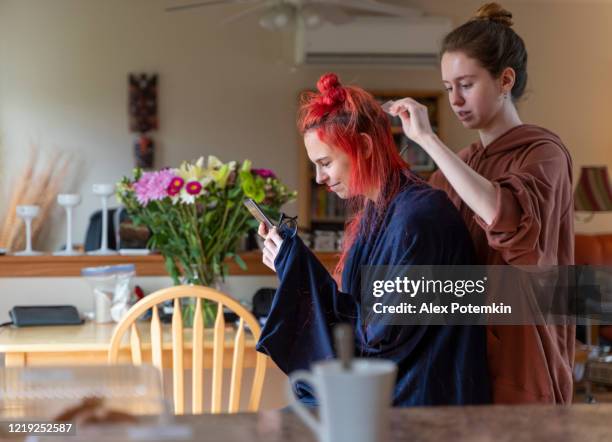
{"type": "Point", "coordinates": [593, 192]}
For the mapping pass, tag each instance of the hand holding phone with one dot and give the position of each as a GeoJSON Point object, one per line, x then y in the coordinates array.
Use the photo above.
{"type": "Point", "coordinates": [267, 230]}
{"type": "Point", "coordinates": [263, 231]}
{"type": "Point", "coordinates": [271, 246]}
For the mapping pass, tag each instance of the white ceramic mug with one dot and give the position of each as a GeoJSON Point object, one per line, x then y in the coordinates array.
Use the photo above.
{"type": "Point", "coordinates": [353, 404]}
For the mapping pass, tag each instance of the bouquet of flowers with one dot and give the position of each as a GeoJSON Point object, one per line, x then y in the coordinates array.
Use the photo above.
{"type": "Point", "coordinates": [196, 213]}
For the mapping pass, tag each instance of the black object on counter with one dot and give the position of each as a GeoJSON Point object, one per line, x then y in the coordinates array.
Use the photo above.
{"type": "Point", "coordinates": [31, 315]}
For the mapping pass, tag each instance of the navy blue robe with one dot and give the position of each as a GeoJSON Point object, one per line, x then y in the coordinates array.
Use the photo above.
{"type": "Point", "coordinates": [437, 365]}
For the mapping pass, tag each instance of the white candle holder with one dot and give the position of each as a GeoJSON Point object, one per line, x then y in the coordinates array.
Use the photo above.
{"type": "Point", "coordinates": [28, 213]}
{"type": "Point", "coordinates": [104, 191]}
{"type": "Point", "coordinates": [68, 201]}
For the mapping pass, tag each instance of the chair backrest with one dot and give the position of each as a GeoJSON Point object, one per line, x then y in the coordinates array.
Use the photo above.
{"type": "Point", "coordinates": [218, 337]}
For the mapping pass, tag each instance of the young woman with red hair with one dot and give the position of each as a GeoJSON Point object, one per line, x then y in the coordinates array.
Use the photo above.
{"type": "Point", "coordinates": [398, 221]}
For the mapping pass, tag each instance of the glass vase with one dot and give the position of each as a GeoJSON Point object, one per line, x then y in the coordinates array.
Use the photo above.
{"type": "Point", "coordinates": [188, 305]}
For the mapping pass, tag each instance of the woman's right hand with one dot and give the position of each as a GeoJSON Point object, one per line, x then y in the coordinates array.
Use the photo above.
{"type": "Point", "coordinates": [272, 244]}
{"type": "Point", "coordinates": [414, 116]}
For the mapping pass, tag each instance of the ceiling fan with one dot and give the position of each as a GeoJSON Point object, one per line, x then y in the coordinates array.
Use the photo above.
{"type": "Point", "coordinates": [279, 14]}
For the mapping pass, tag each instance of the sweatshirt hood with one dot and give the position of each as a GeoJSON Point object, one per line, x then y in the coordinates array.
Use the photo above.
{"type": "Point", "coordinates": [518, 137]}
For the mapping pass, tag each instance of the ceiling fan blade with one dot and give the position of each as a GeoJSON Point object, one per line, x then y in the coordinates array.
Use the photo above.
{"type": "Point", "coordinates": [249, 11]}
{"type": "Point", "coordinates": [206, 3]}
{"type": "Point", "coordinates": [378, 7]}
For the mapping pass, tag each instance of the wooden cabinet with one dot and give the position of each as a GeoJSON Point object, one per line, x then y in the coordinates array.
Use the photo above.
{"type": "Point", "coordinates": [320, 209]}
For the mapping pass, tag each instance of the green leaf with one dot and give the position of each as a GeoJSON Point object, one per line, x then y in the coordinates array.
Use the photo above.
{"type": "Point", "coordinates": [240, 262]}
{"type": "Point", "coordinates": [172, 270]}
{"type": "Point", "coordinates": [234, 193]}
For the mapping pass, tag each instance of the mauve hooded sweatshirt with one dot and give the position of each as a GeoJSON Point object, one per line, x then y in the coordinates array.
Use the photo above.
{"type": "Point", "coordinates": [531, 170]}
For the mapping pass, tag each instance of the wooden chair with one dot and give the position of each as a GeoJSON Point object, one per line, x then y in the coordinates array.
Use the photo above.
{"type": "Point", "coordinates": [198, 292]}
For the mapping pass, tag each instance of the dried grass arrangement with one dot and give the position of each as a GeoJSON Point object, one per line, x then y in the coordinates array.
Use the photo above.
{"type": "Point", "coordinates": [39, 183]}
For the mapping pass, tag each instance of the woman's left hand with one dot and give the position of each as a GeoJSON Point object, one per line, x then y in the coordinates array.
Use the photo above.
{"type": "Point", "coordinates": [414, 116]}
{"type": "Point", "coordinates": [272, 245]}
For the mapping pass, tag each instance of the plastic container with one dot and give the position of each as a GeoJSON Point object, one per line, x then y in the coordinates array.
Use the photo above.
{"type": "Point", "coordinates": [112, 290]}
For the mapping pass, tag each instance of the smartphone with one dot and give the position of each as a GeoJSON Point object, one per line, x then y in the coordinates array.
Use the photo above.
{"type": "Point", "coordinates": [258, 213]}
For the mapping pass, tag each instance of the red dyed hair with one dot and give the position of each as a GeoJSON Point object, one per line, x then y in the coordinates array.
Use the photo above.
{"type": "Point", "coordinates": [340, 115]}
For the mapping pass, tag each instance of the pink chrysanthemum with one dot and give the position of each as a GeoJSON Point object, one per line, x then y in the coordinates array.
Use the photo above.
{"type": "Point", "coordinates": [153, 186]}
{"type": "Point", "coordinates": [193, 187]}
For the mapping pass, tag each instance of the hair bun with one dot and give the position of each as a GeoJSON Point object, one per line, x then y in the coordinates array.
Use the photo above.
{"type": "Point", "coordinates": [328, 82]}
{"type": "Point", "coordinates": [331, 90]}
{"type": "Point", "coordinates": [494, 12]}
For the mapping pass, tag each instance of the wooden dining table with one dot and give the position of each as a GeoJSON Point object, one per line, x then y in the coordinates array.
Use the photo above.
{"type": "Point", "coordinates": [88, 344]}
{"type": "Point", "coordinates": [534, 423]}
{"type": "Point", "coordinates": [493, 423]}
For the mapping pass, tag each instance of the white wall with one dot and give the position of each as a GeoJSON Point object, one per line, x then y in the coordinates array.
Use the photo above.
{"type": "Point", "coordinates": [231, 90]}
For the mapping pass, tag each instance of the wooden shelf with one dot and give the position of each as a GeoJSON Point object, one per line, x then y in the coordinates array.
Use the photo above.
{"type": "Point", "coordinates": [150, 265]}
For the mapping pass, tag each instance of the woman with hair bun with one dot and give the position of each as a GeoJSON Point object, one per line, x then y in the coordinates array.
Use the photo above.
{"type": "Point", "coordinates": [398, 220]}
{"type": "Point", "coordinates": [513, 189]}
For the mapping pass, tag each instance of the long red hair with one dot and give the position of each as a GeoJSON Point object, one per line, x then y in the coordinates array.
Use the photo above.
{"type": "Point", "coordinates": [340, 115]}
